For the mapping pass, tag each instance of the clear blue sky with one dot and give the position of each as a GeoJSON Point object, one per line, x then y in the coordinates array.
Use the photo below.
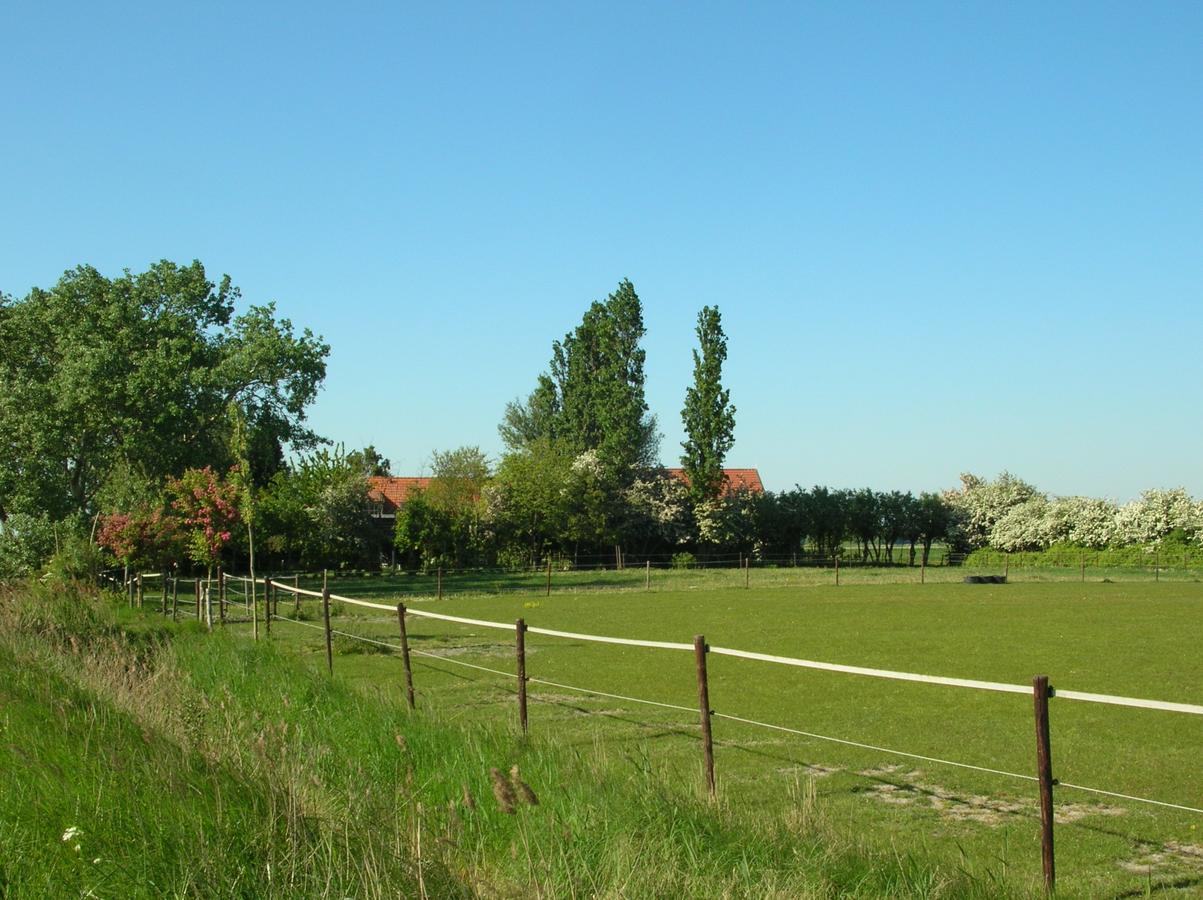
{"type": "Point", "coordinates": [943, 236]}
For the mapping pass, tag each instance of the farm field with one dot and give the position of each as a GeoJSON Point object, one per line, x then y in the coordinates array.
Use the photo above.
{"type": "Point", "coordinates": [1137, 640]}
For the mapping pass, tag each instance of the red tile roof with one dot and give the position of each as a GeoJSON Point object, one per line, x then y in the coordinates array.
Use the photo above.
{"type": "Point", "coordinates": [734, 480]}
{"type": "Point", "coordinates": [394, 491]}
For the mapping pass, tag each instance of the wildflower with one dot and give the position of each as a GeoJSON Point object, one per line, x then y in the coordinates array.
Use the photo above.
{"type": "Point", "coordinates": [71, 833]}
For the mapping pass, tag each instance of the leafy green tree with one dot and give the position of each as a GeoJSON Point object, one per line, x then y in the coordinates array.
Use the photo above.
{"type": "Point", "coordinates": [826, 511]}
{"type": "Point", "coordinates": [527, 501]}
{"type": "Point", "coordinates": [443, 524]}
{"type": "Point", "coordinates": [894, 509]}
{"type": "Point", "coordinates": [864, 520]}
{"type": "Point", "coordinates": [318, 512]}
{"type": "Point", "coordinates": [138, 370]}
{"type": "Point", "coordinates": [370, 461]}
{"type": "Point", "coordinates": [708, 415]}
{"type": "Point", "coordinates": [934, 519]}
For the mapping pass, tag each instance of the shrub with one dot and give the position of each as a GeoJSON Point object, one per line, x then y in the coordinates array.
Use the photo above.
{"type": "Point", "coordinates": [684, 560]}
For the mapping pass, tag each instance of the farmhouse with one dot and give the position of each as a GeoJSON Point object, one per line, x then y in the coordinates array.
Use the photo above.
{"type": "Point", "coordinates": [388, 493]}
{"type": "Point", "coordinates": [735, 481]}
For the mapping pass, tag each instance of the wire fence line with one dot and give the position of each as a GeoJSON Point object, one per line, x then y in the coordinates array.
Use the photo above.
{"type": "Point", "coordinates": [1040, 689]}
{"type": "Point", "coordinates": [1019, 776]}
{"type": "Point", "coordinates": [1166, 706]}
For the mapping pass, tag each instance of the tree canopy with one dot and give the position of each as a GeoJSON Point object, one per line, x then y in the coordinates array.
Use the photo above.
{"type": "Point", "coordinates": [134, 374]}
{"type": "Point", "coordinates": [708, 416]}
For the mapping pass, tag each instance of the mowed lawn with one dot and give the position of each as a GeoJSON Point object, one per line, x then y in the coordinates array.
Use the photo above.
{"type": "Point", "coordinates": [1140, 640]}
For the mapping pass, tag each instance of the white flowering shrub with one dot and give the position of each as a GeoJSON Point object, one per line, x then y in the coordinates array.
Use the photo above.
{"type": "Point", "coordinates": [1157, 513]}
{"type": "Point", "coordinates": [979, 505]}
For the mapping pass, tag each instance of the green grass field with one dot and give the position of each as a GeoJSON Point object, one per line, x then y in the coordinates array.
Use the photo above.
{"type": "Point", "coordinates": [1132, 639]}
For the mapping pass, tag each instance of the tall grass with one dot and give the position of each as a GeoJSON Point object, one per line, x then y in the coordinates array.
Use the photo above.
{"type": "Point", "coordinates": [206, 765]}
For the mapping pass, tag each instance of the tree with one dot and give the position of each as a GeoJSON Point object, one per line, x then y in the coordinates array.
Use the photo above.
{"type": "Point", "coordinates": [318, 513]}
{"type": "Point", "coordinates": [443, 523]}
{"type": "Point", "coordinates": [864, 519]}
{"type": "Point", "coordinates": [933, 519]}
{"type": "Point", "coordinates": [895, 510]}
{"type": "Point", "coordinates": [592, 398]}
{"type": "Point", "coordinates": [370, 461]}
{"type": "Point", "coordinates": [138, 370]}
{"type": "Point", "coordinates": [708, 415]}
{"type": "Point", "coordinates": [527, 502]}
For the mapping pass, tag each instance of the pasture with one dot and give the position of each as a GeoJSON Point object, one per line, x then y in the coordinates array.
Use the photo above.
{"type": "Point", "coordinates": [1131, 639]}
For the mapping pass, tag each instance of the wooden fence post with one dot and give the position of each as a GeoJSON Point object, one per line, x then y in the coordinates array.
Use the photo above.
{"type": "Point", "coordinates": [221, 593]}
{"type": "Point", "coordinates": [196, 591]}
{"type": "Point", "coordinates": [175, 599]}
{"type": "Point", "coordinates": [747, 572]}
{"type": "Point", "coordinates": [1044, 773]}
{"type": "Point", "coordinates": [329, 643]}
{"type": "Point", "coordinates": [520, 642]}
{"type": "Point", "coordinates": [409, 675]}
{"type": "Point", "coordinates": [440, 576]}
{"type": "Point", "coordinates": [647, 580]}
{"type": "Point", "coordinates": [163, 599]}
{"type": "Point", "coordinates": [549, 576]}
{"type": "Point", "coordinates": [699, 653]}
{"type": "Point", "coordinates": [837, 570]}
{"type": "Point", "coordinates": [141, 595]}
{"type": "Point", "coordinates": [267, 606]}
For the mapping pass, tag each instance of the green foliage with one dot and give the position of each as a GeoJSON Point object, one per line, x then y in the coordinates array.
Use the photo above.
{"type": "Point", "coordinates": [684, 560]}
{"type": "Point", "coordinates": [136, 372]}
{"type": "Point", "coordinates": [317, 513]}
{"type": "Point", "coordinates": [593, 397]}
{"type": "Point", "coordinates": [708, 416]}
{"type": "Point", "coordinates": [25, 542]}
{"type": "Point", "coordinates": [444, 524]}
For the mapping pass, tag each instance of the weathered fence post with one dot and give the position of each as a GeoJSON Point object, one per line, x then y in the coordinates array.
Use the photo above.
{"type": "Point", "coordinates": [1044, 773]}
{"type": "Point", "coordinates": [141, 595]}
{"type": "Point", "coordinates": [221, 593]}
{"type": "Point", "coordinates": [440, 582]}
{"type": "Point", "coordinates": [747, 572]}
{"type": "Point", "coordinates": [549, 576]}
{"type": "Point", "coordinates": [409, 675]}
{"type": "Point", "coordinates": [175, 599]}
{"type": "Point", "coordinates": [267, 606]}
{"type": "Point", "coordinates": [329, 643]}
{"type": "Point", "coordinates": [837, 570]}
{"type": "Point", "coordinates": [647, 579]}
{"type": "Point", "coordinates": [520, 643]}
{"type": "Point", "coordinates": [699, 653]}
{"type": "Point", "coordinates": [196, 591]}
{"type": "Point", "coordinates": [163, 599]}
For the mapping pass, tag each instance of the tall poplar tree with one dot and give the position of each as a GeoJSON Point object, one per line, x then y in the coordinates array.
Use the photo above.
{"type": "Point", "coordinates": [708, 415]}
{"type": "Point", "coordinates": [592, 398]}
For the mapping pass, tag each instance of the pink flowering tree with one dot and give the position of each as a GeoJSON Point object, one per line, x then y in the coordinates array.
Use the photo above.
{"type": "Point", "coordinates": [146, 537]}
{"type": "Point", "coordinates": [208, 507]}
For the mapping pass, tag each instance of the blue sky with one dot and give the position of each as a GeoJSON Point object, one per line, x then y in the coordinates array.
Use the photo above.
{"type": "Point", "coordinates": [943, 236]}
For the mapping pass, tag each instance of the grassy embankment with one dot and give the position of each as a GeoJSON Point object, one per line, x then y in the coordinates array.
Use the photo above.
{"type": "Point", "coordinates": [151, 759]}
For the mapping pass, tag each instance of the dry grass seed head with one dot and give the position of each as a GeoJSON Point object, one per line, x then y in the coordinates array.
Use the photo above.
{"type": "Point", "coordinates": [521, 788]}
{"type": "Point", "coordinates": [502, 792]}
